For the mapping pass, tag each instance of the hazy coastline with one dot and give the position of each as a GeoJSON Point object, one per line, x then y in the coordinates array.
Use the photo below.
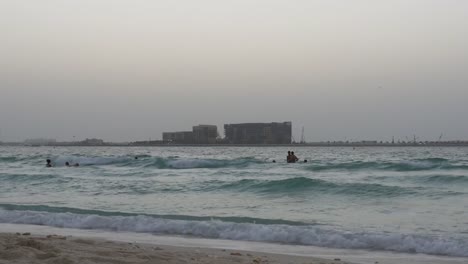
{"type": "Point", "coordinates": [314, 144]}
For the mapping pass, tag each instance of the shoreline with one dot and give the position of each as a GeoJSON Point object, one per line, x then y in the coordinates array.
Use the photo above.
{"type": "Point", "coordinates": [40, 248]}
{"type": "Point", "coordinates": [44, 244]}
{"type": "Point", "coordinates": [25, 248]}
{"type": "Point", "coordinates": [249, 146]}
{"type": "Point", "coordinates": [314, 144]}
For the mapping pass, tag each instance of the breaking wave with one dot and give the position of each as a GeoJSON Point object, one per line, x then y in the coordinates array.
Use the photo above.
{"type": "Point", "coordinates": [174, 162]}
{"type": "Point", "coordinates": [436, 179]}
{"type": "Point", "coordinates": [156, 162]}
{"type": "Point", "coordinates": [410, 165]}
{"type": "Point", "coordinates": [276, 233]}
{"type": "Point", "coordinates": [302, 184]}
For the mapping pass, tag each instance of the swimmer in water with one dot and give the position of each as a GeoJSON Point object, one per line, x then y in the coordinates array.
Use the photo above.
{"type": "Point", "coordinates": [293, 158]}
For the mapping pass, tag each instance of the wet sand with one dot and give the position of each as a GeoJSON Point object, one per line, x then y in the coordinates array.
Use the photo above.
{"type": "Point", "coordinates": [43, 244]}
{"type": "Point", "coordinates": [30, 248]}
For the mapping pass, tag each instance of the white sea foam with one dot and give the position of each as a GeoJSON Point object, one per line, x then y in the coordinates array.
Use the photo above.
{"type": "Point", "coordinates": [420, 164]}
{"type": "Point", "coordinates": [60, 161]}
{"type": "Point", "coordinates": [193, 163]}
{"type": "Point", "coordinates": [305, 235]}
{"type": "Point", "coordinates": [157, 162]}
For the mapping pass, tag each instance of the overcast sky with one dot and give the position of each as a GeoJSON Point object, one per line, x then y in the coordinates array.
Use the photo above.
{"type": "Point", "coordinates": [129, 70]}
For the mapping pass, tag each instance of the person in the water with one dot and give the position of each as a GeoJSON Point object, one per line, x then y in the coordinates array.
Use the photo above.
{"type": "Point", "coordinates": [292, 158]}
{"type": "Point", "coordinates": [68, 164]}
{"type": "Point", "coordinates": [288, 158]}
{"type": "Point", "coordinates": [49, 163]}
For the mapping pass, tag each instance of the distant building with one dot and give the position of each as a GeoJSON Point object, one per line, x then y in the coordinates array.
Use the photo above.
{"type": "Point", "coordinates": [201, 134]}
{"type": "Point", "coordinates": [148, 143]}
{"type": "Point", "coordinates": [39, 142]}
{"type": "Point", "coordinates": [205, 134]}
{"type": "Point", "coordinates": [92, 142]}
{"type": "Point", "coordinates": [182, 137]}
{"type": "Point", "coordinates": [369, 142]}
{"type": "Point", "coordinates": [258, 133]}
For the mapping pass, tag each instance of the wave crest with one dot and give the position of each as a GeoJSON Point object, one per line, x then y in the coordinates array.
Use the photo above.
{"type": "Point", "coordinates": [410, 165]}
{"type": "Point", "coordinates": [156, 162]}
{"type": "Point", "coordinates": [304, 235]}
{"type": "Point", "coordinates": [302, 184]}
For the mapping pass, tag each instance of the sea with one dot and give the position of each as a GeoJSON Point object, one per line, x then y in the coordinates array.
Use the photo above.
{"type": "Point", "coordinates": [394, 199]}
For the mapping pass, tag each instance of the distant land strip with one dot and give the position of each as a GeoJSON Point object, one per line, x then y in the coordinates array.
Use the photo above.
{"type": "Point", "coordinates": [311, 144]}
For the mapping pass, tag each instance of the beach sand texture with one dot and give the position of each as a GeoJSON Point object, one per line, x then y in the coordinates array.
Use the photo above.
{"type": "Point", "coordinates": [57, 249]}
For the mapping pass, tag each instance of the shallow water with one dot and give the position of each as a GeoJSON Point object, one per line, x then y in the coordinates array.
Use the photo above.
{"type": "Point", "coordinates": [400, 199]}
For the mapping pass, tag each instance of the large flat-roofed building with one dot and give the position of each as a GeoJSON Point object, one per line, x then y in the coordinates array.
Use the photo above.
{"type": "Point", "coordinates": [205, 134]}
{"type": "Point", "coordinates": [182, 137]}
{"type": "Point", "coordinates": [201, 134]}
{"type": "Point", "coordinates": [258, 133]}
{"type": "Point", "coordinates": [92, 142]}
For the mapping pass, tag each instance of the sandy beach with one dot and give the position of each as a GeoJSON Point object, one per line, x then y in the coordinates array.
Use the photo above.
{"type": "Point", "coordinates": [43, 244]}
{"type": "Point", "coordinates": [52, 248]}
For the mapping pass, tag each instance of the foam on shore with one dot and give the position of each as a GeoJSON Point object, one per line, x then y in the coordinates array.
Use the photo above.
{"type": "Point", "coordinates": [190, 249]}
{"type": "Point", "coordinates": [276, 233]}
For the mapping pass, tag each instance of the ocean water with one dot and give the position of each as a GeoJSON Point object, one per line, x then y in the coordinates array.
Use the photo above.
{"type": "Point", "coordinates": [402, 199]}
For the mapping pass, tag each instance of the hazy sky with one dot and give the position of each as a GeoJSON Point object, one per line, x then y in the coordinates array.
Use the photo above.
{"type": "Point", "coordinates": [129, 70]}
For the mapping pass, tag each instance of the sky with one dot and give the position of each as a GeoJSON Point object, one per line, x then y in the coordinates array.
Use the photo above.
{"type": "Point", "coordinates": [130, 70]}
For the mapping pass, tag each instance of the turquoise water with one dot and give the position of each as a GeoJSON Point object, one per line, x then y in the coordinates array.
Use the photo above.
{"type": "Point", "coordinates": [399, 199]}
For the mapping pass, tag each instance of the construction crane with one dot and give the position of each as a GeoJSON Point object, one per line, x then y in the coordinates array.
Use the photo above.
{"type": "Point", "coordinates": [302, 136]}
